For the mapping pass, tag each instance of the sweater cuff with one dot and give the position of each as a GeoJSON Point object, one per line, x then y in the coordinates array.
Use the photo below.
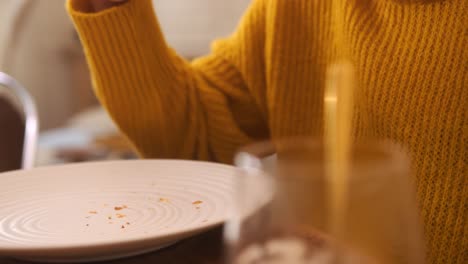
{"type": "Point", "coordinates": [126, 11]}
{"type": "Point", "coordinates": [121, 34]}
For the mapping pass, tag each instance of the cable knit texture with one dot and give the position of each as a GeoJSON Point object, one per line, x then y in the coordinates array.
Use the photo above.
{"type": "Point", "coordinates": [267, 80]}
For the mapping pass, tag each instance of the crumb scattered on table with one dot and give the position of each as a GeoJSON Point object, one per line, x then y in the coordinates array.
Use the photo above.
{"type": "Point", "coordinates": [118, 208]}
{"type": "Point", "coordinates": [128, 223]}
{"type": "Point", "coordinates": [162, 200]}
{"type": "Point", "coordinates": [197, 202]}
{"type": "Point", "coordinates": [120, 215]}
{"type": "Point", "coordinates": [92, 212]}
{"type": "Point", "coordinates": [122, 227]}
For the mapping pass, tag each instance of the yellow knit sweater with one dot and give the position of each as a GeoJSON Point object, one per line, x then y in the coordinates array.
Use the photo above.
{"type": "Point", "coordinates": [267, 80]}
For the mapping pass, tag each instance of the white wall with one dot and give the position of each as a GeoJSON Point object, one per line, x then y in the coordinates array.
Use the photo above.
{"type": "Point", "coordinates": [35, 43]}
{"type": "Point", "coordinates": [191, 25]}
{"type": "Point", "coordinates": [8, 10]}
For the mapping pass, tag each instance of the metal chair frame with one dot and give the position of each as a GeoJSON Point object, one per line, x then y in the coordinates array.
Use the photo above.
{"type": "Point", "coordinates": [31, 119]}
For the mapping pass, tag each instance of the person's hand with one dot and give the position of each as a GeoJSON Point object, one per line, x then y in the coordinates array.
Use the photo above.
{"type": "Point", "coordinates": [90, 6]}
{"type": "Point", "coordinates": [99, 5]}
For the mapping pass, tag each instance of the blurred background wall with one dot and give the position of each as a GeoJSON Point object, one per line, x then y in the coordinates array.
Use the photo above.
{"type": "Point", "coordinates": [36, 42]}
{"type": "Point", "coordinates": [190, 25]}
{"type": "Point", "coordinates": [39, 47]}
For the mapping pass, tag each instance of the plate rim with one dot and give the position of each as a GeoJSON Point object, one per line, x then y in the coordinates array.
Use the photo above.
{"type": "Point", "coordinates": [91, 163]}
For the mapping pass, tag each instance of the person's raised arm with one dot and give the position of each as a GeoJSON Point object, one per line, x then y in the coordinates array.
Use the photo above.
{"type": "Point", "coordinates": [165, 105]}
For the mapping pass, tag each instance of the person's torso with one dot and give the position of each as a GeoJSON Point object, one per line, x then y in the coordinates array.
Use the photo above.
{"type": "Point", "coordinates": [410, 59]}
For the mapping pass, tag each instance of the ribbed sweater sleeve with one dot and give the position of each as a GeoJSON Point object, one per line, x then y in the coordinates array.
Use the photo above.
{"type": "Point", "coordinates": [165, 105]}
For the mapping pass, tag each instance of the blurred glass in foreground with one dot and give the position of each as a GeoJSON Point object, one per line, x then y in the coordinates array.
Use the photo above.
{"type": "Point", "coordinates": [283, 201]}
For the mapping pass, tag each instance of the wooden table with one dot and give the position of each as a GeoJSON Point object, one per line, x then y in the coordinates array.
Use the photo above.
{"type": "Point", "coordinates": [203, 249]}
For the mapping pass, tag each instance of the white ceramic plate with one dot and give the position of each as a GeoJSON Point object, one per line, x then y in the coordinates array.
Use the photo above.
{"type": "Point", "coordinates": [100, 211]}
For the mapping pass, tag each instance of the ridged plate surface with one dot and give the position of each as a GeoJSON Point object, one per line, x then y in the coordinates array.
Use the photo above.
{"type": "Point", "coordinates": [99, 211]}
